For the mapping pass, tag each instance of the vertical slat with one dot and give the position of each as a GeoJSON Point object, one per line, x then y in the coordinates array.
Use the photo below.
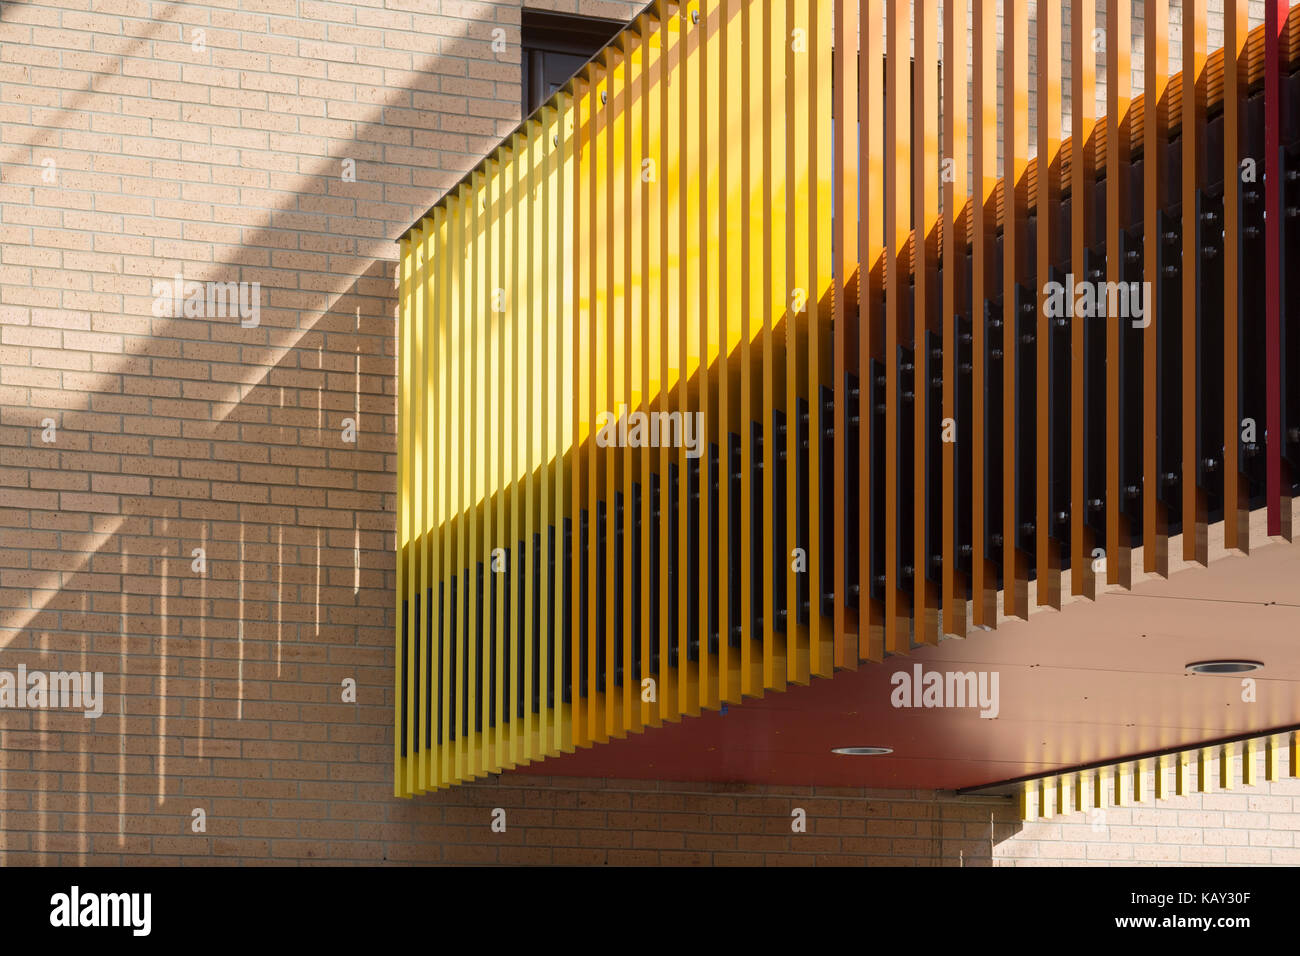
{"type": "Point", "coordinates": [845, 253]}
{"type": "Point", "coordinates": [1118, 136]}
{"type": "Point", "coordinates": [690, 394]}
{"type": "Point", "coordinates": [709, 119]}
{"type": "Point", "coordinates": [438, 480]}
{"type": "Point", "coordinates": [1249, 747]}
{"type": "Point", "coordinates": [583, 423]}
{"type": "Point", "coordinates": [984, 280]}
{"type": "Point", "coordinates": [821, 162]}
{"type": "Point", "coordinates": [401, 781]}
{"type": "Point", "coordinates": [1194, 176]}
{"type": "Point", "coordinates": [490, 430]}
{"type": "Point", "coordinates": [925, 205]}
{"type": "Point", "coordinates": [597, 252]}
{"type": "Point", "coordinates": [726, 215]}
{"type": "Point", "coordinates": [1015, 599]}
{"type": "Point", "coordinates": [519, 562]}
{"type": "Point", "coordinates": [1048, 562]}
{"type": "Point", "coordinates": [627, 327]}
{"type": "Point", "coordinates": [419, 480]}
{"type": "Point", "coordinates": [446, 475]}
{"type": "Point", "coordinates": [775, 303]}
{"type": "Point", "coordinates": [1083, 121]}
{"type": "Point", "coordinates": [955, 199]}
{"type": "Point", "coordinates": [871, 131]}
{"type": "Point", "coordinates": [1236, 506]}
{"type": "Point", "coordinates": [755, 123]}
{"type": "Point", "coordinates": [476, 327]}
{"type": "Point", "coordinates": [530, 319]}
{"type": "Point", "coordinates": [1278, 478]}
{"type": "Point", "coordinates": [673, 364]}
{"type": "Point", "coordinates": [1155, 133]}
{"type": "Point", "coordinates": [544, 291]}
{"type": "Point", "coordinates": [561, 349]}
{"type": "Point", "coordinates": [799, 301]}
{"type": "Point", "coordinates": [503, 427]}
{"type": "Point", "coordinates": [897, 198]}
{"type": "Point", "coordinates": [651, 326]}
{"type": "Point", "coordinates": [463, 456]}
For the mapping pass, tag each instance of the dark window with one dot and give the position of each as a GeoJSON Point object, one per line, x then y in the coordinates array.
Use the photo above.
{"type": "Point", "coordinates": [555, 46]}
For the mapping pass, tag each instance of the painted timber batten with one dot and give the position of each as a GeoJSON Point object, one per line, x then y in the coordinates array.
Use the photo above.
{"type": "Point", "coordinates": [719, 374]}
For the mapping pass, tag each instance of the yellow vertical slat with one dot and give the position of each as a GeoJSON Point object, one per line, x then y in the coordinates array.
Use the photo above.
{"type": "Point", "coordinates": [754, 124]}
{"type": "Point", "coordinates": [476, 327]}
{"type": "Point", "coordinates": [775, 303]}
{"type": "Point", "coordinates": [625, 168]}
{"type": "Point", "coordinates": [519, 562]}
{"type": "Point", "coordinates": [533, 318]}
{"type": "Point", "coordinates": [461, 495]}
{"type": "Point", "coordinates": [561, 347]}
{"type": "Point", "coordinates": [401, 783]}
{"type": "Point", "coordinates": [897, 199]}
{"type": "Point", "coordinates": [690, 400]}
{"type": "Point", "coordinates": [577, 133]}
{"type": "Point", "coordinates": [544, 291]}
{"type": "Point", "coordinates": [821, 213]}
{"type": "Point", "coordinates": [598, 627]}
{"type": "Point", "coordinates": [925, 206]}
{"type": "Point", "coordinates": [650, 320]}
{"type": "Point", "coordinates": [491, 440]}
{"type": "Point", "coordinates": [434, 255]}
{"type": "Point", "coordinates": [1203, 770]}
{"type": "Point", "coordinates": [505, 399]}
{"type": "Point", "coordinates": [871, 248]}
{"type": "Point", "coordinates": [419, 487]}
{"type": "Point", "coordinates": [800, 297]}
{"type": "Point", "coordinates": [1226, 776]}
{"type": "Point", "coordinates": [1182, 774]}
{"type": "Point", "coordinates": [1273, 758]}
{"type": "Point", "coordinates": [845, 254]}
{"type": "Point", "coordinates": [954, 287]}
{"type": "Point", "coordinates": [724, 67]}
{"type": "Point", "coordinates": [672, 361]}
{"type": "Point", "coordinates": [709, 281]}
{"type": "Point", "coordinates": [1248, 762]}
{"type": "Point", "coordinates": [446, 477]}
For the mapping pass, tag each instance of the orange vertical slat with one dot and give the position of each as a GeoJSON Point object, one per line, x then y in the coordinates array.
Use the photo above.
{"type": "Point", "coordinates": [1155, 131]}
{"type": "Point", "coordinates": [871, 126]}
{"type": "Point", "coordinates": [1118, 137]}
{"type": "Point", "coordinates": [1048, 561]}
{"type": "Point", "coordinates": [1236, 524]}
{"type": "Point", "coordinates": [1194, 136]}
{"type": "Point", "coordinates": [925, 206]}
{"type": "Point", "coordinates": [984, 280]}
{"type": "Point", "coordinates": [955, 197]}
{"type": "Point", "coordinates": [1083, 121]}
{"type": "Point", "coordinates": [897, 198]}
{"type": "Point", "coordinates": [845, 254]}
{"type": "Point", "coordinates": [1015, 254]}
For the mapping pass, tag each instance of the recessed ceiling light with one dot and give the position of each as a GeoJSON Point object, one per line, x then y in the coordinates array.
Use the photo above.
{"type": "Point", "coordinates": [1223, 667]}
{"type": "Point", "coordinates": [863, 751]}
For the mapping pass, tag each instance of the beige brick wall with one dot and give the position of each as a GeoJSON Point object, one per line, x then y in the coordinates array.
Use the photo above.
{"type": "Point", "coordinates": [132, 148]}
